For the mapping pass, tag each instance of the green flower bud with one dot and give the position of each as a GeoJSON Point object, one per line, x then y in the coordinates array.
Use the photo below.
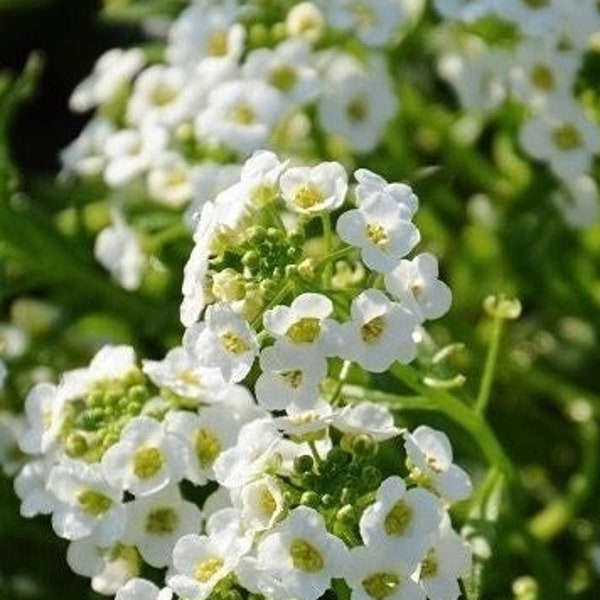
{"type": "Point", "coordinates": [371, 477]}
{"type": "Point", "coordinates": [311, 499]}
{"type": "Point", "coordinates": [338, 456]}
{"type": "Point", "coordinates": [364, 446]}
{"type": "Point", "coordinates": [303, 463]}
{"type": "Point", "coordinates": [328, 500]}
{"type": "Point", "coordinates": [347, 515]}
{"type": "Point", "coordinates": [251, 259]}
{"type": "Point", "coordinates": [348, 495]}
{"type": "Point", "coordinates": [76, 445]}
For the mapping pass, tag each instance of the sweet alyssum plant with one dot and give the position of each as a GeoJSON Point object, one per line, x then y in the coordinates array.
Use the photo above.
{"type": "Point", "coordinates": [242, 462]}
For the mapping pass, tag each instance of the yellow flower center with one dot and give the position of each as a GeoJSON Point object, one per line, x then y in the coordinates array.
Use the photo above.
{"type": "Point", "coordinates": [218, 44]}
{"type": "Point", "coordinates": [398, 519]}
{"type": "Point", "coordinates": [147, 462]}
{"type": "Point", "coordinates": [308, 196]}
{"type": "Point", "coordinates": [380, 585]}
{"type": "Point", "coordinates": [163, 95]}
{"type": "Point", "coordinates": [162, 521]}
{"type": "Point", "coordinates": [536, 3]}
{"type": "Point", "coordinates": [243, 114]}
{"type": "Point", "coordinates": [207, 569]}
{"type": "Point", "coordinates": [566, 137]}
{"type": "Point", "coordinates": [292, 378]}
{"type": "Point", "coordinates": [429, 566]}
{"type": "Point", "coordinates": [306, 557]}
{"type": "Point", "coordinates": [94, 503]}
{"type": "Point", "coordinates": [304, 331]}
{"type": "Point", "coordinates": [233, 343]}
{"type": "Point", "coordinates": [371, 331]}
{"type": "Point", "coordinates": [378, 235]}
{"type": "Point", "coordinates": [207, 446]}
{"type": "Point", "coordinates": [542, 78]}
{"type": "Point", "coordinates": [267, 501]}
{"type": "Point", "coordinates": [357, 109]}
{"type": "Point", "coordinates": [283, 78]}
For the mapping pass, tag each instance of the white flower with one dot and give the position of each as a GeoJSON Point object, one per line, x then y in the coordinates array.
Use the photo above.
{"type": "Point", "coordinates": [314, 190]}
{"type": "Point", "coordinates": [564, 137]}
{"type": "Point", "coordinates": [181, 373]}
{"type": "Point", "coordinates": [541, 70]}
{"type": "Point", "coordinates": [155, 523]}
{"type": "Point", "coordinates": [112, 71]}
{"type": "Point", "coordinates": [200, 562]}
{"type": "Point", "coordinates": [448, 559]}
{"type": "Point", "coordinates": [371, 184]}
{"type": "Point", "coordinates": [288, 378]}
{"type": "Point", "coordinates": [464, 10]}
{"type": "Point", "coordinates": [261, 503]}
{"type": "Point", "coordinates": [196, 268]}
{"type": "Point", "coordinates": [300, 556]}
{"type": "Point", "coordinates": [205, 30]}
{"type": "Point", "coordinates": [131, 152]}
{"type": "Point", "coordinates": [31, 488]}
{"type": "Point", "coordinates": [579, 23]}
{"type": "Point", "coordinates": [415, 285]}
{"type": "Point", "coordinates": [253, 454]}
{"type": "Point", "coordinates": [307, 424]}
{"type": "Point", "coordinates": [85, 155]}
{"type": "Point", "coordinates": [379, 333]}
{"type": "Point", "coordinates": [379, 227]}
{"type": "Point", "coordinates": [373, 573]}
{"type": "Point", "coordinates": [305, 325]}
{"type": "Point", "coordinates": [142, 589]}
{"type": "Point", "coordinates": [374, 22]}
{"type": "Point", "coordinates": [357, 103]}
{"type": "Point", "coordinates": [366, 418]}
{"type": "Point", "coordinates": [305, 20]}
{"type": "Point", "coordinates": [118, 249]}
{"type": "Point", "coordinates": [171, 180]}
{"type": "Point", "coordinates": [205, 435]}
{"type": "Point", "coordinates": [146, 458]}
{"type": "Point", "coordinates": [287, 67]}
{"type": "Point", "coordinates": [44, 411]}
{"type": "Point", "coordinates": [404, 522]}
{"type": "Point", "coordinates": [579, 202]}
{"type": "Point", "coordinates": [87, 504]}
{"type": "Point", "coordinates": [223, 340]}
{"type": "Point", "coordinates": [240, 115]}
{"type": "Point", "coordinates": [533, 18]}
{"type": "Point", "coordinates": [430, 455]}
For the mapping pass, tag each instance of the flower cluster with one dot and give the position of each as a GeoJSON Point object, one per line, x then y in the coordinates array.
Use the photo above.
{"type": "Point", "coordinates": [236, 77]}
{"type": "Point", "coordinates": [241, 461]}
{"type": "Point", "coordinates": [536, 62]}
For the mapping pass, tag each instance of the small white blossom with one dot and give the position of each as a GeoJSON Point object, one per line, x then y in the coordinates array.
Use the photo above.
{"type": "Point", "coordinates": [403, 521]}
{"type": "Point", "coordinates": [379, 333]}
{"type": "Point", "coordinates": [305, 20]}
{"type": "Point", "coordinates": [261, 503]}
{"type": "Point", "coordinates": [146, 458]}
{"type": "Point", "coordinates": [223, 340]}
{"type": "Point", "coordinates": [366, 418]}
{"type": "Point", "coordinates": [430, 454]}
{"type": "Point", "coordinates": [31, 488]}
{"type": "Point", "coordinates": [371, 184]}
{"type": "Point", "coordinates": [314, 190]}
{"type": "Point", "coordinates": [142, 589]}
{"type": "Point", "coordinates": [416, 286]}
{"type": "Point", "coordinates": [579, 202]}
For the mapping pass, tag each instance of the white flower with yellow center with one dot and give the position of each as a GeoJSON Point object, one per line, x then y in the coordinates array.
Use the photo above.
{"type": "Point", "coordinates": [373, 573]}
{"type": "Point", "coordinates": [287, 67]}
{"type": "Point", "coordinates": [374, 22]}
{"type": "Point", "coordinates": [301, 556]}
{"type": "Point", "coordinates": [112, 72]}
{"type": "Point", "coordinates": [260, 502]}
{"type": "Point", "coordinates": [205, 435]}
{"type": "Point", "coordinates": [366, 418]}
{"type": "Point", "coordinates": [379, 333]}
{"type": "Point", "coordinates": [289, 378]}
{"type": "Point", "coordinates": [170, 180]}
{"type": "Point", "coordinates": [224, 341]}
{"type": "Point", "coordinates": [415, 284]}
{"type": "Point", "coordinates": [200, 562]}
{"type": "Point", "coordinates": [142, 589]}
{"type": "Point", "coordinates": [87, 504]}
{"type": "Point", "coordinates": [404, 522]}
{"type": "Point", "coordinates": [448, 559]}
{"type": "Point", "coordinates": [430, 457]}
{"type": "Point", "coordinates": [301, 425]}
{"type": "Point", "coordinates": [372, 184]}
{"type": "Point", "coordinates": [314, 190]}
{"type": "Point", "coordinates": [181, 374]}
{"type": "Point", "coordinates": [357, 102]}
{"type": "Point", "coordinates": [240, 116]}
{"type": "Point", "coordinates": [146, 458]}
{"type": "Point", "coordinates": [304, 325]}
{"type": "Point", "coordinates": [381, 229]}
{"type": "Point", "coordinates": [564, 137]}
{"type": "Point", "coordinates": [205, 30]}
{"type": "Point", "coordinates": [253, 455]}
{"type": "Point", "coordinates": [305, 20]}
{"type": "Point", "coordinates": [155, 523]}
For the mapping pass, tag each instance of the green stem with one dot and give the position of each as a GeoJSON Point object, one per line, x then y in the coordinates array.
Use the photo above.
{"type": "Point", "coordinates": [444, 403]}
{"type": "Point", "coordinates": [277, 298]}
{"type": "Point", "coordinates": [331, 258]}
{"type": "Point", "coordinates": [483, 397]}
{"type": "Point", "coordinates": [315, 453]}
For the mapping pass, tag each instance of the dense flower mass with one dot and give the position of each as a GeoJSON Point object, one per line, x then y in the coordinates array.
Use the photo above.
{"type": "Point", "coordinates": [253, 401]}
